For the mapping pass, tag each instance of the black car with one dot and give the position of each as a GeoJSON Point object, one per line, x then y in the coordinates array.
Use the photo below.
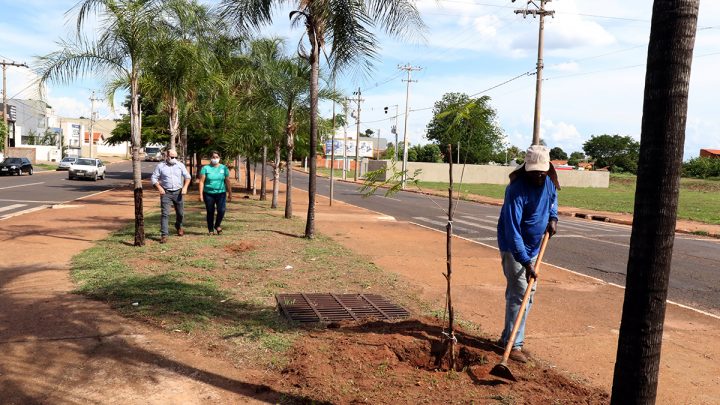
{"type": "Point", "coordinates": [17, 166]}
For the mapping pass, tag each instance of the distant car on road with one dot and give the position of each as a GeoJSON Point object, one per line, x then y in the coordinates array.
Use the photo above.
{"type": "Point", "coordinates": [153, 154]}
{"type": "Point", "coordinates": [87, 168]}
{"type": "Point", "coordinates": [66, 163]}
{"type": "Point", "coordinates": [17, 166]}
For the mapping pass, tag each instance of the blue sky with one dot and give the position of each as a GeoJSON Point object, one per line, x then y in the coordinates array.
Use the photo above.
{"type": "Point", "coordinates": [594, 57]}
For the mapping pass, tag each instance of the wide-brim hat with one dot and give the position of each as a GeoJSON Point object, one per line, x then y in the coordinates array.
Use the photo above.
{"type": "Point", "coordinates": [537, 158]}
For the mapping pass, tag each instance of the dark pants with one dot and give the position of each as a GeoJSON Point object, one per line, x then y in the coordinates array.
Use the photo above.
{"type": "Point", "coordinates": [171, 199]}
{"type": "Point", "coordinates": [213, 201]}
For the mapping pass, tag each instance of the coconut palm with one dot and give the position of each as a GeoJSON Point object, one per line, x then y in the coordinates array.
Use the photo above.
{"type": "Point", "coordinates": [179, 61]}
{"type": "Point", "coordinates": [343, 24]}
{"type": "Point", "coordinates": [125, 26]}
{"type": "Point", "coordinates": [667, 80]}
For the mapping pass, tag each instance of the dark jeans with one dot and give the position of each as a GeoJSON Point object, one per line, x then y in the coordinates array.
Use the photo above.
{"type": "Point", "coordinates": [171, 199]}
{"type": "Point", "coordinates": [213, 201]}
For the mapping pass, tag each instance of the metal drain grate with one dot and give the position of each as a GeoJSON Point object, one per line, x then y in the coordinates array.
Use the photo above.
{"type": "Point", "coordinates": [330, 307]}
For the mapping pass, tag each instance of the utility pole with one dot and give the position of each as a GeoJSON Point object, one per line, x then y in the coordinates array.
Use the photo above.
{"type": "Point", "coordinates": [359, 101]}
{"type": "Point", "coordinates": [92, 120]}
{"type": "Point", "coordinates": [393, 129]}
{"type": "Point", "coordinates": [332, 152]}
{"type": "Point", "coordinates": [409, 70]}
{"type": "Point", "coordinates": [539, 11]}
{"type": "Point", "coordinates": [5, 103]}
{"type": "Point", "coordinates": [378, 145]}
{"type": "Point", "coordinates": [344, 148]}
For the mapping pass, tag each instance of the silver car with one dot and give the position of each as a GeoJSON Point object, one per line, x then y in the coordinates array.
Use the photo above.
{"type": "Point", "coordinates": [87, 168]}
{"type": "Point", "coordinates": [66, 163]}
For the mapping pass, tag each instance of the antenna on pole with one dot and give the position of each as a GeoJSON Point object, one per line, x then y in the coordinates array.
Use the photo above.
{"type": "Point", "coordinates": [409, 70]}
{"type": "Point", "coordinates": [6, 108]}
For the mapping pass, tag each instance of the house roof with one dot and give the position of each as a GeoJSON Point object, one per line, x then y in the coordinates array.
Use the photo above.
{"type": "Point", "coordinates": [713, 151]}
{"type": "Point", "coordinates": [96, 136]}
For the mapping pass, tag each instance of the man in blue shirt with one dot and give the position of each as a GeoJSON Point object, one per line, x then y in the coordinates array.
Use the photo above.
{"type": "Point", "coordinates": [529, 210]}
{"type": "Point", "coordinates": [171, 179]}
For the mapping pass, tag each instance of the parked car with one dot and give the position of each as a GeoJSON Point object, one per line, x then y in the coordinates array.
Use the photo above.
{"type": "Point", "coordinates": [17, 166]}
{"type": "Point", "coordinates": [87, 168]}
{"type": "Point", "coordinates": [66, 163]}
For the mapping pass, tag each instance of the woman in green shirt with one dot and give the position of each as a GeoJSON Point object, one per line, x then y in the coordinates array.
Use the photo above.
{"type": "Point", "coordinates": [214, 188]}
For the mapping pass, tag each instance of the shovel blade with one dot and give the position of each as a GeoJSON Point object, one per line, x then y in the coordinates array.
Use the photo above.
{"type": "Point", "coordinates": [503, 371]}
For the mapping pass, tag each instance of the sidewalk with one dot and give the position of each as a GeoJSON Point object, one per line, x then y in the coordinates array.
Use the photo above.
{"type": "Point", "coordinates": [574, 321]}
{"type": "Point", "coordinates": [61, 348]}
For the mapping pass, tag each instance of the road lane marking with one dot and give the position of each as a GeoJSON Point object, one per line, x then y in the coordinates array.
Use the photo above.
{"type": "Point", "coordinates": [22, 185]}
{"type": "Point", "coordinates": [15, 214]}
{"type": "Point", "coordinates": [700, 311]}
{"type": "Point", "coordinates": [488, 228]}
{"type": "Point", "coordinates": [30, 201]}
{"type": "Point", "coordinates": [12, 207]}
{"type": "Point", "coordinates": [443, 224]}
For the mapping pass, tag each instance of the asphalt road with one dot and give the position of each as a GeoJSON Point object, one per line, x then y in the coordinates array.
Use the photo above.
{"type": "Point", "coordinates": [593, 248]}
{"type": "Point", "coordinates": [20, 194]}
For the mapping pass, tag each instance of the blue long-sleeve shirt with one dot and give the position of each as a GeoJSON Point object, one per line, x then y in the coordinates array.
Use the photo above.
{"type": "Point", "coordinates": [170, 177]}
{"type": "Point", "coordinates": [524, 218]}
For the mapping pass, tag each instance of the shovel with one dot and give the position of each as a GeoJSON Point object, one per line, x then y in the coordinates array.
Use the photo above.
{"type": "Point", "coordinates": [501, 369]}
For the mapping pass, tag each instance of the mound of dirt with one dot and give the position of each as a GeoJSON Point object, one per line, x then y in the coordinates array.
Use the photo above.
{"type": "Point", "coordinates": [400, 362]}
{"type": "Point", "coordinates": [240, 247]}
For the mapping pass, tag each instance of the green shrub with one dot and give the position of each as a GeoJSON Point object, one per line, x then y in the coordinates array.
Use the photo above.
{"type": "Point", "coordinates": [702, 167]}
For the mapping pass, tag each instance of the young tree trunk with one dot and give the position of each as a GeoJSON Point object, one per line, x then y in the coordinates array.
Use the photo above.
{"type": "Point", "coordinates": [276, 176]}
{"type": "Point", "coordinates": [672, 37]}
{"type": "Point", "coordinates": [448, 276]}
{"type": "Point", "coordinates": [135, 136]}
{"type": "Point", "coordinates": [263, 188]}
{"type": "Point", "coordinates": [314, 72]}
{"type": "Point", "coordinates": [174, 118]}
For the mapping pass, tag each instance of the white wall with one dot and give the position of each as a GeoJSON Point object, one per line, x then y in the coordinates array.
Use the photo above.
{"type": "Point", "coordinates": [486, 174]}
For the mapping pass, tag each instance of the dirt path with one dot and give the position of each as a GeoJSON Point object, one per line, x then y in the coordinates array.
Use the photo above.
{"type": "Point", "coordinates": [575, 319]}
{"type": "Point", "coordinates": [60, 348]}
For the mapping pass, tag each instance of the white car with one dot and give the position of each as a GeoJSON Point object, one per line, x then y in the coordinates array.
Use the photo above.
{"type": "Point", "coordinates": [66, 163]}
{"type": "Point", "coordinates": [87, 168]}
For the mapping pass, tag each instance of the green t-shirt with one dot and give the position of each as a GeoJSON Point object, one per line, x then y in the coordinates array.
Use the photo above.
{"type": "Point", "coordinates": [214, 178]}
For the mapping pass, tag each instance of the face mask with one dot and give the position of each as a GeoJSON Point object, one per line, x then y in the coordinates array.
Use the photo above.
{"type": "Point", "coordinates": [214, 161]}
{"type": "Point", "coordinates": [171, 161]}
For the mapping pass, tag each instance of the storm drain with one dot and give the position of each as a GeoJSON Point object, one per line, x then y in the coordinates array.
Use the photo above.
{"type": "Point", "coordinates": [330, 307]}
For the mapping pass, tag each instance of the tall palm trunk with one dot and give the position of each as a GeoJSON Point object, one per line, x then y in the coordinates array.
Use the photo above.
{"type": "Point", "coordinates": [672, 38]}
{"type": "Point", "coordinates": [263, 188]}
{"type": "Point", "coordinates": [276, 176]}
{"type": "Point", "coordinates": [135, 128]}
{"type": "Point", "coordinates": [290, 138]}
{"type": "Point", "coordinates": [314, 72]}
{"type": "Point", "coordinates": [248, 174]}
{"type": "Point", "coordinates": [174, 117]}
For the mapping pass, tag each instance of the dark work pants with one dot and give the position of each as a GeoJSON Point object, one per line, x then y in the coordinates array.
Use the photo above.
{"type": "Point", "coordinates": [171, 199]}
{"type": "Point", "coordinates": [214, 201]}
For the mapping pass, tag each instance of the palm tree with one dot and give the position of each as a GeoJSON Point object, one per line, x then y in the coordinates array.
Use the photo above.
{"type": "Point", "coordinates": [179, 60]}
{"type": "Point", "coordinates": [118, 52]}
{"type": "Point", "coordinates": [672, 38]}
{"type": "Point", "coordinates": [345, 25]}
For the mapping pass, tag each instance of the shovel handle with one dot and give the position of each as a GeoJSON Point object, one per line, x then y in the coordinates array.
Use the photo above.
{"type": "Point", "coordinates": [526, 298]}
